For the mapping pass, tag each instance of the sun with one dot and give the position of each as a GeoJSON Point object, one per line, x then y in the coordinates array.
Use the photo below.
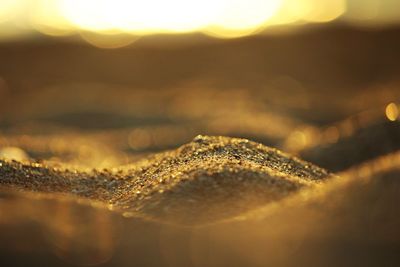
{"type": "Point", "coordinates": [135, 18]}
{"type": "Point", "coordinates": [155, 16]}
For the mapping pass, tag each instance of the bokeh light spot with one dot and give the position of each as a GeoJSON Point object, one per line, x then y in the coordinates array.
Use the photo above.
{"type": "Point", "coordinates": [392, 112]}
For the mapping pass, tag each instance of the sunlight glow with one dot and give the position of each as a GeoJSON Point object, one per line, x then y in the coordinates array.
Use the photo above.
{"type": "Point", "coordinates": [315, 10]}
{"type": "Point", "coordinates": [221, 18]}
{"type": "Point", "coordinates": [48, 19]}
{"type": "Point", "coordinates": [140, 16]}
{"type": "Point", "coordinates": [9, 8]}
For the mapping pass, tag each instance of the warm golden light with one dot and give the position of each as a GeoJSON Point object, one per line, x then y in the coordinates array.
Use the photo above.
{"type": "Point", "coordinates": [48, 19]}
{"type": "Point", "coordinates": [9, 8]}
{"type": "Point", "coordinates": [237, 17]}
{"type": "Point", "coordinates": [221, 18]}
{"type": "Point", "coordinates": [392, 112]}
{"type": "Point", "coordinates": [149, 16]}
{"type": "Point", "coordinates": [110, 40]}
{"type": "Point", "coordinates": [224, 18]}
{"type": "Point", "coordinates": [137, 16]}
{"type": "Point", "coordinates": [13, 153]}
{"type": "Point", "coordinates": [316, 10]}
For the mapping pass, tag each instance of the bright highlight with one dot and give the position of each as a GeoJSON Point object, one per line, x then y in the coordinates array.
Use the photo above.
{"type": "Point", "coordinates": [138, 16]}
{"type": "Point", "coordinates": [392, 112]}
{"type": "Point", "coordinates": [221, 18]}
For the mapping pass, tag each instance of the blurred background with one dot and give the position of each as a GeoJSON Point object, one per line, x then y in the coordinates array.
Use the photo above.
{"type": "Point", "coordinates": [144, 76]}
{"type": "Point", "coordinates": [222, 18]}
{"type": "Point", "coordinates": [100, 83]}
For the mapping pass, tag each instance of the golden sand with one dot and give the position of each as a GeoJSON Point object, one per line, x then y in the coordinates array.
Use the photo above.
{"type": "Point", "coordinates": [214, 201]}
{"type": "Point", "coordinates": [208, 178]}
{"type": "Point", "coordinates": [357, 139]}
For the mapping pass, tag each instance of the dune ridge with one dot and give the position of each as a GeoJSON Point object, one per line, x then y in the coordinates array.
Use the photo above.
{"type": "Point", "coordinates": [207, 179]}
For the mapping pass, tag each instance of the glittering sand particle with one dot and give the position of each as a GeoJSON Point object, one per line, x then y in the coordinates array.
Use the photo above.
{"type": "Point", "coordinates": [207, 179]}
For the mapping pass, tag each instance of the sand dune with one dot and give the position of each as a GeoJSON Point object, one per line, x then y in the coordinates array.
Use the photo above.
{"type": "Point", "coordinates": [207, 179]}
{"type": "Point", "coordinates": [98, 165]}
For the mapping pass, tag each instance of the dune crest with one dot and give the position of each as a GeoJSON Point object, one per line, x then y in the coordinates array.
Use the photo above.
{"type": "Point", "coordinates": [207, 179]}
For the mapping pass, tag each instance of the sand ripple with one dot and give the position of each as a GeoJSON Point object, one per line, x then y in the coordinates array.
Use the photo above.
{"type": "Point", "coordinates": [207, 179]}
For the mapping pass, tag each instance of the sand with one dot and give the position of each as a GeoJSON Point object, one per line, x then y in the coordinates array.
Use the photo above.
{"type": "Point", "coordinates": [321, 223]}
{"type": "Point", "coordinates": [106, 171]}
{"type": "Point", "coordinates": [357, 139]}
{"type": "Point", "coordinates": [207, 179]}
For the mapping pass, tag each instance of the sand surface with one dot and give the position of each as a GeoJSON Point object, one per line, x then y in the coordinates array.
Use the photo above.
{"type": "Point", "coordinates": [208, 178]}
{"type": "Point", "coordinates": [259, 151]}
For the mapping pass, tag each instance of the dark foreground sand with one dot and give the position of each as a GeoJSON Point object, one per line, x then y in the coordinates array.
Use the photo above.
{"type": "Point", "coordinates": [221, 202]}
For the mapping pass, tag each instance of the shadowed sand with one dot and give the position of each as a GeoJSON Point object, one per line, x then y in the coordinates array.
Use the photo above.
{"type": "Point", "coordinates": [353, 217]}
{"type": "Point", "coordinates": [357, 139]}
{"type": "Point", "coordinates": [207, 179]}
